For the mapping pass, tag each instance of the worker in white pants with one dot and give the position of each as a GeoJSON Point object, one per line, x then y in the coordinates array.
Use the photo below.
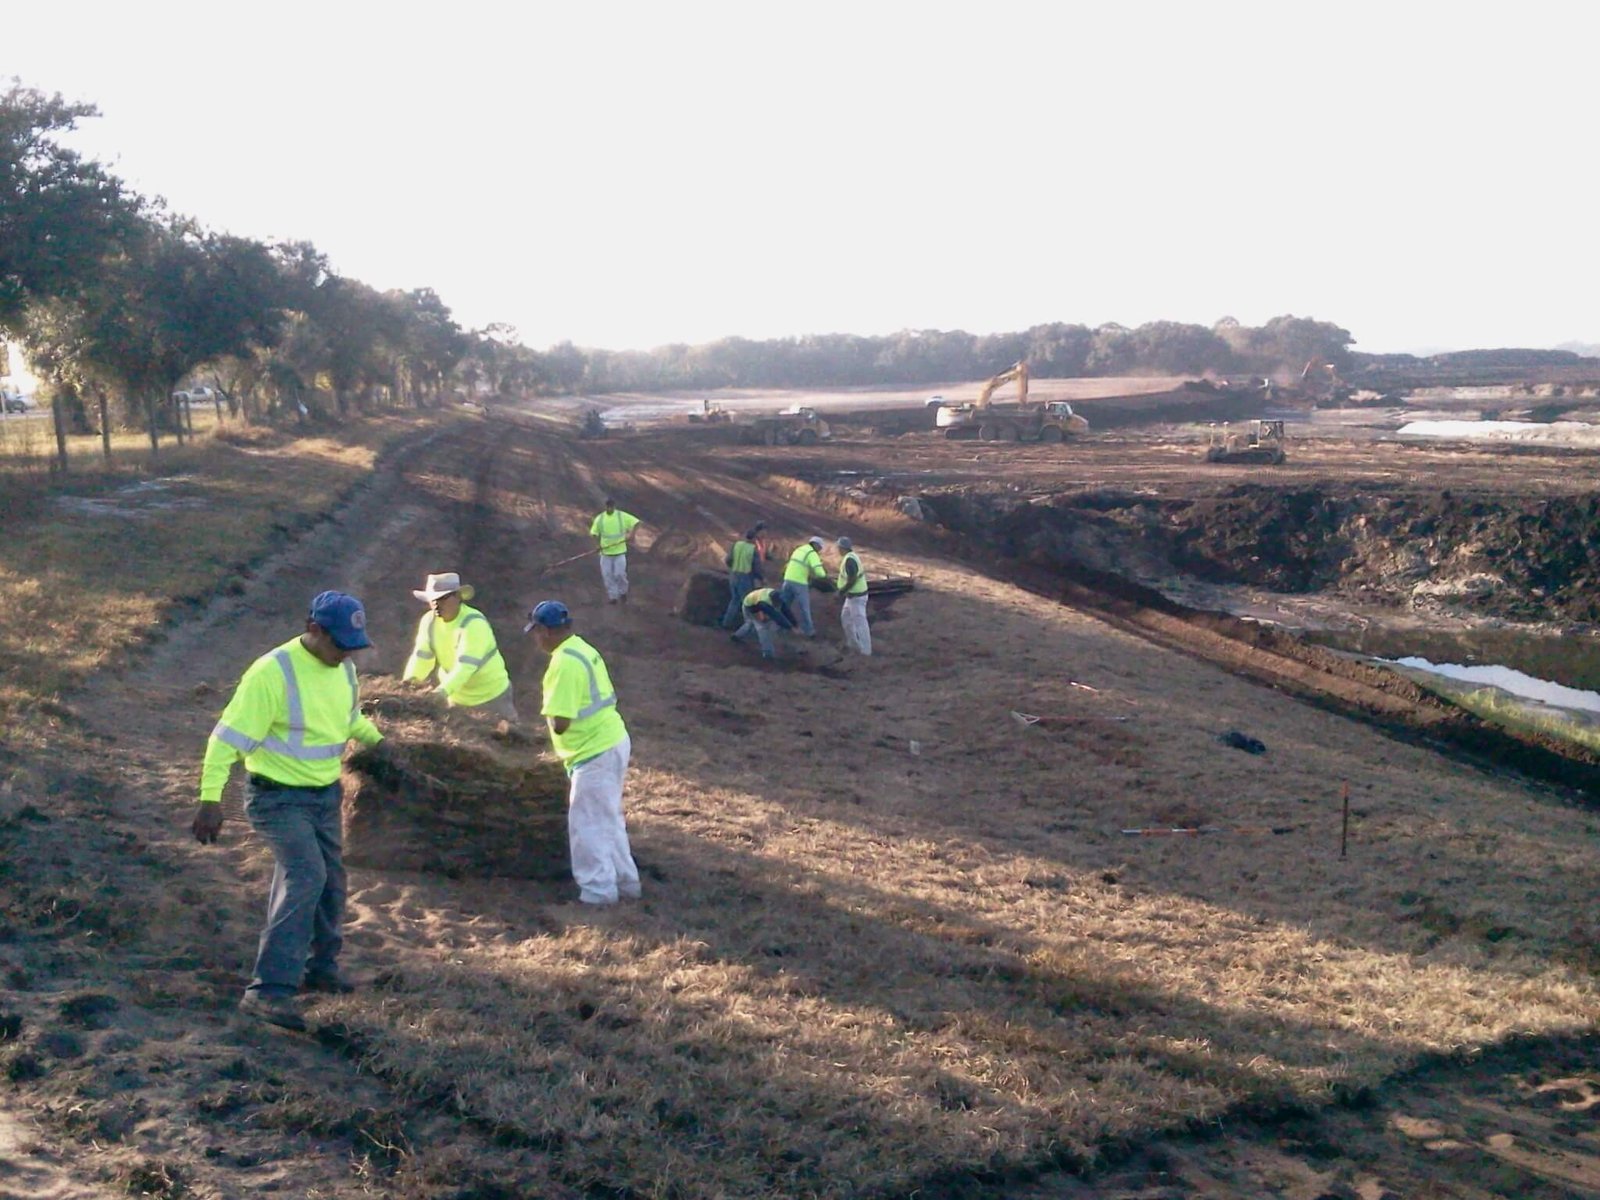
{"type": "Point", "coordinates": [580, 707]}
{"type": "Point", "coordinates": [597, 835]}
{"type": "Point", "coordinates": [611, 531]}
{"type": "Point", "coordinates": [852, 586]}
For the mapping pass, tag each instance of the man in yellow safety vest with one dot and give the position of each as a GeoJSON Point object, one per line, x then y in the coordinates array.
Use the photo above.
{"type": "Point", "coordinates": [852, 585]}
{"type": "Point", "coordinates": [764, 614]}
{"type": "Point", "coordinates": [580, 707]}
{"type": "Point", "coordinates": [290, 718]}
{"type": "Point", "coordinates": [611, 531]}
{"type": "Point", "coordinates": [456, 640]}
{"type": "Point", "coordinates": [802, 570]}
{"type": "Point", "coordinates": [744, 572]}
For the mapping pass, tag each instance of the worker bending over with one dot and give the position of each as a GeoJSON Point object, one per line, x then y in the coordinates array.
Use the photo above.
{"type": "Point", "coordinates": [852, 585]}
{"type": "Point", "coordinates": [802, 570]}
{"type": "Point", "coordinates": [580, 706]}
{"type": "Point", "coordinates": [765, 612]}
{"type": "Point", "coordinates": [290, 718]}
{"type": "Point", "coordinates": [457, 642]}
{"type": "Point", "coordinates": [612, 529]}
{"type": "Point", "coordinates": [744, 570]}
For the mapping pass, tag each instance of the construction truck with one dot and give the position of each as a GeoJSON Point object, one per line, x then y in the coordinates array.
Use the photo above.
{"type": "Point", "coordinates": [792, 427]}
{"type": "Point", "coordinates": [1014, 421]}
{"type": "Point", "coordinates": [1257, 442]}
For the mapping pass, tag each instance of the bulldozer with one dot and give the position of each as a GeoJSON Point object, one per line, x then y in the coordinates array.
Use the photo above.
{"type": "Point", "coordinates": [792, 427]}
{"type": "Point", "coordinates": [1258, 442]}
{"type": "Point", "coordinates": [1015, 421]}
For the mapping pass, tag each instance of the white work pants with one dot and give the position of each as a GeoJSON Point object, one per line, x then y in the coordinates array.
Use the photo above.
{"type": "Point", "coordinates": [602, 861]}
{"type": "Point", "coordinates": [614, 574]}
{"type": "Point", "coordinates": [857, 636]}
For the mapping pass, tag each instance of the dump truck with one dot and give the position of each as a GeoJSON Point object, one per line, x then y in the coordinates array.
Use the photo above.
{"type": "Point", "coordinates": [1016, 421]}
{"type": "Point", "coordinates": [791, 427]}
{"type": "Point", "coordinates": [1257, 442]}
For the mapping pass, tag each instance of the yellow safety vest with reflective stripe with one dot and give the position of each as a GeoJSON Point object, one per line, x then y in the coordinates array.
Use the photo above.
{"type": "Point", "coordinates": [289, 719]}
{"type": "Point", "coordinates": [857, 588]}
{"type": "Point", "coordinates": [578, 686]}
{"type": "Point", "coordinates": [804, 565]}
{"type": "Point", "coordinates": [471, 669]}
{"type": "Point", "coordinates": [612, 528]}
{"type": "Point", "coordinates": [742, 558]}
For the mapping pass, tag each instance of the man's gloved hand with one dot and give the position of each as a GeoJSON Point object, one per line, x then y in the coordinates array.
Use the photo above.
{"type": "Point", "coordinates": [207, 823]}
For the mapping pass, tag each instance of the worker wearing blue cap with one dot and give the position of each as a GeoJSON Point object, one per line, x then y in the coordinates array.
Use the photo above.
{"type": "Point", "coordinates": [580, 707]}
{"type": "Point", "coordinates": [290, 718]}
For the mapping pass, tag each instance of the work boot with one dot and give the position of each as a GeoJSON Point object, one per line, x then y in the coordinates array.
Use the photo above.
{"type": "Point", "coordinates": [328, 985]}
{"type": "Point", "coordinates": [281, 1011]}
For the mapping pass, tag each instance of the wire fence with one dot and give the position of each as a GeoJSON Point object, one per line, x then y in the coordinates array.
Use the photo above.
{"type": "Point", "coordinates": [29, 451]}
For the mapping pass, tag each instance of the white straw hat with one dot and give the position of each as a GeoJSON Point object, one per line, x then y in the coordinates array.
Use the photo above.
{"type": "Point", "coordinates": [443, 585]}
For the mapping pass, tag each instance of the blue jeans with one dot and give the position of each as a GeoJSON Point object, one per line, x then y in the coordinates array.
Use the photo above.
{"type": "Point", "coordinates": [798, 598]}
{"type": "Point", "coordinates": [305, 907]}
{"type": "Point", "coordinates": [738, 588]}
{"type": "Point", "coordinates": [766, 634]}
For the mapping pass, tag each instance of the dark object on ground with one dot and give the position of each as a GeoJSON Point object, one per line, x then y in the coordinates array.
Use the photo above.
{"type": "Point", "coordinates": [284, 1013]}
{"type": "Point", "coordinates": [1243, 741]}
{"type": "Point", "coordinates": [704, 597]}
{"type": "Point", "coordinates": [456, 811]}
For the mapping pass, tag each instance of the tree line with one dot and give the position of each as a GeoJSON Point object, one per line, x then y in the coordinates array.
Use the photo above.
{"type": "Point", "coordinates": [911, 358]}
{"type": "Point", "coordinates": [118, 302]}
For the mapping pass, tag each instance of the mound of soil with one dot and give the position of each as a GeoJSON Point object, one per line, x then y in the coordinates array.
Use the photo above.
{"type": "Point", "coordinates": [703, 598]}
{"type": "Point", "coordinates": [456, 811]}
{"type": "Point", "coordinates": [1518, 559]}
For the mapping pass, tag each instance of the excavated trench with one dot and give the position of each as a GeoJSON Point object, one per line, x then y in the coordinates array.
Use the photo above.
{"type": "Point", "coordinates": [1341, 569]}
{"type": "Point", "coordinates": [1469, 558]}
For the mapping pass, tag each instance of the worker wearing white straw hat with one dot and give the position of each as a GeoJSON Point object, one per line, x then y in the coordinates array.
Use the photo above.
{"type": "Point", "coordinates": [457, 641]}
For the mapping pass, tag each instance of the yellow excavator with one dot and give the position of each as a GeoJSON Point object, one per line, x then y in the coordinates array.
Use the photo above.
{"type": "Point", "coordinates": [1018, 371]}
{"type": "Point", "coordinates": [1011, 421]}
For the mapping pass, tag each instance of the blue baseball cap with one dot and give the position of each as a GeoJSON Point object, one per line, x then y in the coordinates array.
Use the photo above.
{"type": "Point", "coordinates": [552, 614]}
{"type": "Point", "coordinates": [344, 619]}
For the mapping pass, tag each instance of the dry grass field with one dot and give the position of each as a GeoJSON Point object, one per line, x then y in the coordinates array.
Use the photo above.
{"type": "Point", "coordinates": [893, 941]}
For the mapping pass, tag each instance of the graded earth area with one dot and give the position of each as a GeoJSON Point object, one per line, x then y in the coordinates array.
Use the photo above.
{"type": "Point", "coordinates": [896, 937]}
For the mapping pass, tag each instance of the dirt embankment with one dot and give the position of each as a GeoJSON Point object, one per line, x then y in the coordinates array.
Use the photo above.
{"type": "Point", "coordinates": [1095, 551]}
{"type": "Point", "coordinates": [1523, 560]}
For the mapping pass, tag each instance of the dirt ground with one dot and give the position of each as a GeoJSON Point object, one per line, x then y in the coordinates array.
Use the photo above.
{"type": "Point", "coordinates": [927, 716]}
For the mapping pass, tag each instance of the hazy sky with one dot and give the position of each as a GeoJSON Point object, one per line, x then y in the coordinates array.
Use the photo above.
{"type": "Point", "coordinates": [631, 174]}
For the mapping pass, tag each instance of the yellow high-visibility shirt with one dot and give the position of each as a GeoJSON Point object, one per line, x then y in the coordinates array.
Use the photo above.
{"type": "Point", "coordinates": [804, 565]}
{"type": "Point", "coordinates": [857, 587]}
{"type": "Point", "coordinates": [578, 686]}
{"type": "Point", "coordinates": [471, 669]}
{"type": "Point", "coordinates": [612, 528]}
{"type": "Point", "coordinates": [289, 719]}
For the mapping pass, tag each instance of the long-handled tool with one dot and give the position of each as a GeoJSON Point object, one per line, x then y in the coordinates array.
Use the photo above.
{"type": "Point", "coordinates": [552, 566]}
{"type": "Point", "coordinates": [1197, 830]}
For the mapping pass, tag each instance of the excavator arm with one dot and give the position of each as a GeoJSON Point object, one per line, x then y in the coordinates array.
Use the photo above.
{"type": "Point", "coordinates": [1019, 372]}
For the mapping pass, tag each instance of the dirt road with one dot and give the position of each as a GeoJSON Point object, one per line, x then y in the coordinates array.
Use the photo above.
{"type": "Point", "coordinates": [904, 771]}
